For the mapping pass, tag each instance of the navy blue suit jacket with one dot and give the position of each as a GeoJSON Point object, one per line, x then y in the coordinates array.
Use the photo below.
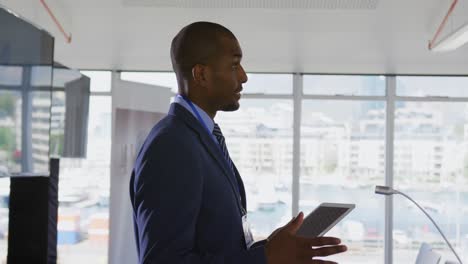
{"type": "Point", "coordinates": [185, 198]}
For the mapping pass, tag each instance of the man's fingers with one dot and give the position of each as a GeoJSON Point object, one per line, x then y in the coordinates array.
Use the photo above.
{"type": "Point", "coordinates": [274, 233]}
{"type": "Point", "coordinates": [294, 225]}
{"type": "Point", "coordinates": [307, 255]}
{"type": "Point", "coordinates": [318, 241]}
{"type": "Point", "coordinates": [327, 251]}
{"type": "Point", "coordinates": [315, 261]}
{"type": "Point", "coordinates": [318, 261]}
{"type": "Point", "coordinates": [309, 260]}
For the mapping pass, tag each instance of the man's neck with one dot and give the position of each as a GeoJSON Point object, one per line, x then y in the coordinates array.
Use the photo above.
{"type": "Point", "coordinates": [203, 105]}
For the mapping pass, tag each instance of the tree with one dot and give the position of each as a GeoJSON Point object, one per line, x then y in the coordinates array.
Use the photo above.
{"type": "Point", "coordinates": [7, 104]}
{"type": "Point", "coordinates": [7, 139]}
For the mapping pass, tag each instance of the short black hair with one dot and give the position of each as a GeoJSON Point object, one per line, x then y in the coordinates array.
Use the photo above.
{"type": "Point", "coordinates": [197, 43]}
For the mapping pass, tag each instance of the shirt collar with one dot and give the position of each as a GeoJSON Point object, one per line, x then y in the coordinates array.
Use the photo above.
{"type": "Point", "coordinates": [204, 116]}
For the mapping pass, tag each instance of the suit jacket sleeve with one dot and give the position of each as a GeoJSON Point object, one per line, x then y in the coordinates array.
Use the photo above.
{"type": "Point", "coordinates": [167, 193]}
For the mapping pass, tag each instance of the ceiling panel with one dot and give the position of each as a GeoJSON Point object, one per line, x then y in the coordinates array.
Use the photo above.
{"type": "Point", "coordinates": [295, 4]}
{"type": "Point", "coordinates": [388, 36]}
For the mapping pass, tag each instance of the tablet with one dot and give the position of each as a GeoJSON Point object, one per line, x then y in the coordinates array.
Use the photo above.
{"type": "Point", "coordinates": [323, 218]}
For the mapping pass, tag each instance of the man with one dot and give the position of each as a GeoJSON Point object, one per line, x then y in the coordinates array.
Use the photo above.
{"type": "Point", "coordinates": [188, 198]}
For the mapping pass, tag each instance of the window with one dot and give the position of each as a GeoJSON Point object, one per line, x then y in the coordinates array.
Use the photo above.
{"type": "Point", "coordinates": [10, 132]}
{"type": "Point", "coordinates": [4, 197]}
{"type": "Point", "coordinates": [11, 75]}
{"type": "Point", "coordinates": [13, 135]}
{"type": "Point", "coordinates": [257, 83]}
{"type": "Point", "coordinates": [41, 76]}
{"type": "Point", "coordinates": [341, 162]}
{"type": "Point", "coordinates": [166, 79]}
{"type": "Point", "coordinates": [84, 186]}
{"type": "Point", "coordinates": [439, 86]}
{"type": "Point", "coordinates": [344, 85]}
{"type": "Point", "coordinates": [343, 148]}
{"type": "Point", "coordinates": [40, 116]}
{"type": "Point", "coordinates": [268, 84]}
{"type": "Point", "coordinates": [436, 175]}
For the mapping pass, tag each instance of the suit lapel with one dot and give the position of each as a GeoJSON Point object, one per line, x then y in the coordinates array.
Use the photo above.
{"type": "Point", "coordinates": [207, 142]}
{"type": "Point", "coordinates": [241, 187]}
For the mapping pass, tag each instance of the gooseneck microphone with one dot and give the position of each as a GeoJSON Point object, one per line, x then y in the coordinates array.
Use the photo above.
{"type": "Point", "coordinates": [385, 190]}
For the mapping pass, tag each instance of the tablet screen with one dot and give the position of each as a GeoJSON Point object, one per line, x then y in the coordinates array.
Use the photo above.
{"type": "Point", "coordinates": [323, 218]}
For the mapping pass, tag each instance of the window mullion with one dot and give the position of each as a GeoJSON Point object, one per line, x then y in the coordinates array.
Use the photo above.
{"type": "Point", "coordinates": [389, 147]}
{"type": "Point", "coordinates": [297, 102]}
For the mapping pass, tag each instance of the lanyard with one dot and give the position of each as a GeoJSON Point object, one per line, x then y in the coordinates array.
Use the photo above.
{"type": "Point", "coordinates": [209, 133]}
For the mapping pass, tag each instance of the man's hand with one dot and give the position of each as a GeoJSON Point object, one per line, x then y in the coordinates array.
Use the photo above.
{"type": "Point", "coordinates": [284, 247]}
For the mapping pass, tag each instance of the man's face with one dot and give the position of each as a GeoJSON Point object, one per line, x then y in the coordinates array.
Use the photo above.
{"type": "Point", "coordinates": [226, 76]}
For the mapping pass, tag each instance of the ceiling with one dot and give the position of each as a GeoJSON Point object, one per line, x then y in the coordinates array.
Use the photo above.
{"type": "Point", "coordinates": [312, 36]}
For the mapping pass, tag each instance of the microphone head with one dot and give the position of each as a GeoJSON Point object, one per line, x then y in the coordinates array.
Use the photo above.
{"type": "Point", "coordinates": [385, 190]}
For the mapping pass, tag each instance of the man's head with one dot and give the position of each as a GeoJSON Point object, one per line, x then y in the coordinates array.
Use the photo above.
{"type": "Point", "coordinates": [206, 59]}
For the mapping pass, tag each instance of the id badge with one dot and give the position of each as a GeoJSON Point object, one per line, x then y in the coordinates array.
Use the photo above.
{"type": "Point", "coordinates": [247, 234]}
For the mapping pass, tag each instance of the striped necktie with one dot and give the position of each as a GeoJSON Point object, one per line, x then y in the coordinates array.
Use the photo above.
{"type": "Point", "coordinates": [222, 143]}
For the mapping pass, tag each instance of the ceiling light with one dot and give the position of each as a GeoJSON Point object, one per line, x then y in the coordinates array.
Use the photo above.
{"type": "Point", "coordinates": [452, 41]}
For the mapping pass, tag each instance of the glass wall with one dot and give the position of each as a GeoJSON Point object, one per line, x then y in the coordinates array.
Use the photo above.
{"type": "Point", "coordinates": [343, 148]}
{"type": "Point", "coordinates": [84, 185]}
{"type": "Point", "coordinates": [343, 158]}
{"type": "Point", "coordinates": [431, 164]}
{"type": "Point", "coordinates": [24, 106]}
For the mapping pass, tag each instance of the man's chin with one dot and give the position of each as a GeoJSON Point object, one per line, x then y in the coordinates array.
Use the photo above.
{"type": "Point", "coordinates": [231, 108]}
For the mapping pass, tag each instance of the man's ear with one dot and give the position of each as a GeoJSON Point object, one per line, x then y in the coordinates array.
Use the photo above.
{"type": "Point", "coordinates": [199, 73]}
